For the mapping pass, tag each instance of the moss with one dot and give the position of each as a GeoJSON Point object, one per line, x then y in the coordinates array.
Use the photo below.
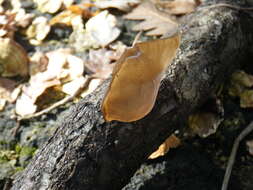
{"type": "Point", "coordinates": [3, 143]}
{"type": "Point", "coordinates": [18, 148]}
{"type": "Point", "coordinates": [19, 169]}
{"type": "Point", "coordinates": [27, 151]}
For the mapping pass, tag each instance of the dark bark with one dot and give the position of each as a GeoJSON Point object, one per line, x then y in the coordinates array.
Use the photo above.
{"type": "Point", "coordinates": [87, 153]}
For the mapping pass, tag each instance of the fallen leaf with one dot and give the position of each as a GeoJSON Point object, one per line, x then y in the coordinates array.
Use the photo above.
{"type": "Point", "coordinates": [23, 19]}
{"type": "Point", "coordinates": [24, 105]}
{"type": "Point", "coordinates": [10, 20]}
{"type": "Point", "coordinates": [52, 6]}
{"type": "Point", "coordinates": [48, 6]}
{"type": "Point", "coordinates": [38, 63]}
{"type": "Point", "coordinates": [7, 24]}
{"type": "Point", "coordinates": [13, 58]}
{"type": "Point", "coordinates": [157, 22]}
{"type": "Point", "coordinates": [207, 119]}
{"type": "Point", "coordinates": [100, 30]}
{"type": "Point", "coordinates": [118, 4]}
{"type": "Point", "coordinates": [30, 94]}
{"type": "Point", "coordinates": [243, 78]}
{"type": "Point", "coordinates": [7, 87]}
{"type": "Point", "coordinates": [204, 123]}
{"type": "Point", "coordinates": [241, 84]}
{"type": "Point", "coordinates": [16, 5]}
{"type": "Point", "coordinates": [57, 60]}
{"type": "Point", "coordinates": [246, 99]}
{"type": "Point", "coordinates": [99, 63]}
{"type": "Point", "coordinates": [38, 30]}
{"type": "Point", "coordinates": [75, 67]}
{"type": "Point", "coordinates": [55, 73]}
{"type": "Point", "coordinates": [66, 16]}
{"type": "Point", "coordinates": [181, 7]}
{"type": "Point", "coordinates": [71, 87]}
{"type": "Point", "coordinates": [171, 142]}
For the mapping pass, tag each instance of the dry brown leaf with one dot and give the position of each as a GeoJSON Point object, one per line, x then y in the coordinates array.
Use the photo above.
{"type": "Point", "coordinates": [156, 21]}
{"type": "Point", "coordinates": [171, 142]}
{"type": "Point", "coordinates": [7, 24]}
{"type": "Point", "coordinates": [38, 63]}
{"type": "Point", "coordinates": [54, 73]}
{"type": "Point", "coordinates": [75, 67]}
{"type": "Point", "coordinates": [38, 30]}
{"type": "Point", "coordinates": [204, 123]}
{"type": "Point", "coordinates": [26, 103]}
{"type": "Point", "coordinates": [71, 87]}
{"type": "Point", "coordinates": [181, 7]}
{"type": "Point", "coordinates": [66, 17]}
{"type": "Point", "coordinates": [246, 99]}
{"type": "Point", "coordinates": [241, 83]}
{"type": "Point", "coordinates": [52, 6]}
{"type": "Point", "coordinates": [207, 119]}
{"type": "Point", "coordinates": [99, 63]}
{"type": "Point", "coordinates": [13, 58]}
{"type": "Point", "coordinates": [100, 30]}
{"type": "Point", "coordinates": [7, 89]}
{"type": "Point", "coordinates": [23, 19]}
{"type": "Point", "coordinates": [119, 4]}
{"type": "Point", "coordinates": [10, 20]}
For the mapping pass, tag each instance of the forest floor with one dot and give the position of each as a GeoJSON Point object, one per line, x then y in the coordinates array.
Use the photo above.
{"type": "Point", "coordinates": [60, 34]}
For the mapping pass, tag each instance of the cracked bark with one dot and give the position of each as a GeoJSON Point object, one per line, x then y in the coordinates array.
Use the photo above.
{"type": "Point", "coordinates": [87, 153]}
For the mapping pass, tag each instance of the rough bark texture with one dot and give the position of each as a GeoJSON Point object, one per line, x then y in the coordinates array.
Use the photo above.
{"type": "Point", "coordinates": [87, 153]}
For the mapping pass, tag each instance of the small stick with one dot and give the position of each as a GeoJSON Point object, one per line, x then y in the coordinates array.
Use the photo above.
{"type": "Point", "coordinates": [136, 38]}
{"type": "Point", "coordinates": [55, 105]}
{"type": "Point", "coordinates": [232, 156]}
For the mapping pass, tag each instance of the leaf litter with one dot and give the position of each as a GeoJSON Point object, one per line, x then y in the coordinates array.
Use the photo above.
{"type": "Point", "coordinates": [57, 71]}
{"type": "Point", "coordinates": [94, 30]}
{"type": "Point", "coordinates": [160, 18]}
{"type": "Point", "coordinates": [62, 72]}
{"type": "Point", "coordinates": [154, 20]}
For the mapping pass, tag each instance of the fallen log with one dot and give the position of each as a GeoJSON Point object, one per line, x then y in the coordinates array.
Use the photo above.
{"type": "Point", "coordinates": [86, 152]}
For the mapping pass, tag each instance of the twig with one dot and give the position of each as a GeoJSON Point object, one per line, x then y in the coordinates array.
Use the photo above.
{"type": "Point", "coordinates": [57, 104]}
{"type": "Point", "coordinates": [137, 37]}
{"type": "Point", "coordinates": [50, 108]}
{"type": "Point", "coordinates": [232, 156]}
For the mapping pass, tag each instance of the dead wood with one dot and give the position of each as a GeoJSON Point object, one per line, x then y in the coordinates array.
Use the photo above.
{"type": "Point", "coordinates": [87, 153]}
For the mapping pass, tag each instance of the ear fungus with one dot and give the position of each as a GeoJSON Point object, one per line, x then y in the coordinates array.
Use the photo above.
{"type": "Point", "coordinates": [136, 79]}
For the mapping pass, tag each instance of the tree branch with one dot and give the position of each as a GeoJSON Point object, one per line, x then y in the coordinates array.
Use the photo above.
{"type": "Point", "coordinates": [87, 153]}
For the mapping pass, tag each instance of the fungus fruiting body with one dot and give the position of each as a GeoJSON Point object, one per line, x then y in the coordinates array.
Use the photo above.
{"type": "Point", "coordinates": [136, 79]}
